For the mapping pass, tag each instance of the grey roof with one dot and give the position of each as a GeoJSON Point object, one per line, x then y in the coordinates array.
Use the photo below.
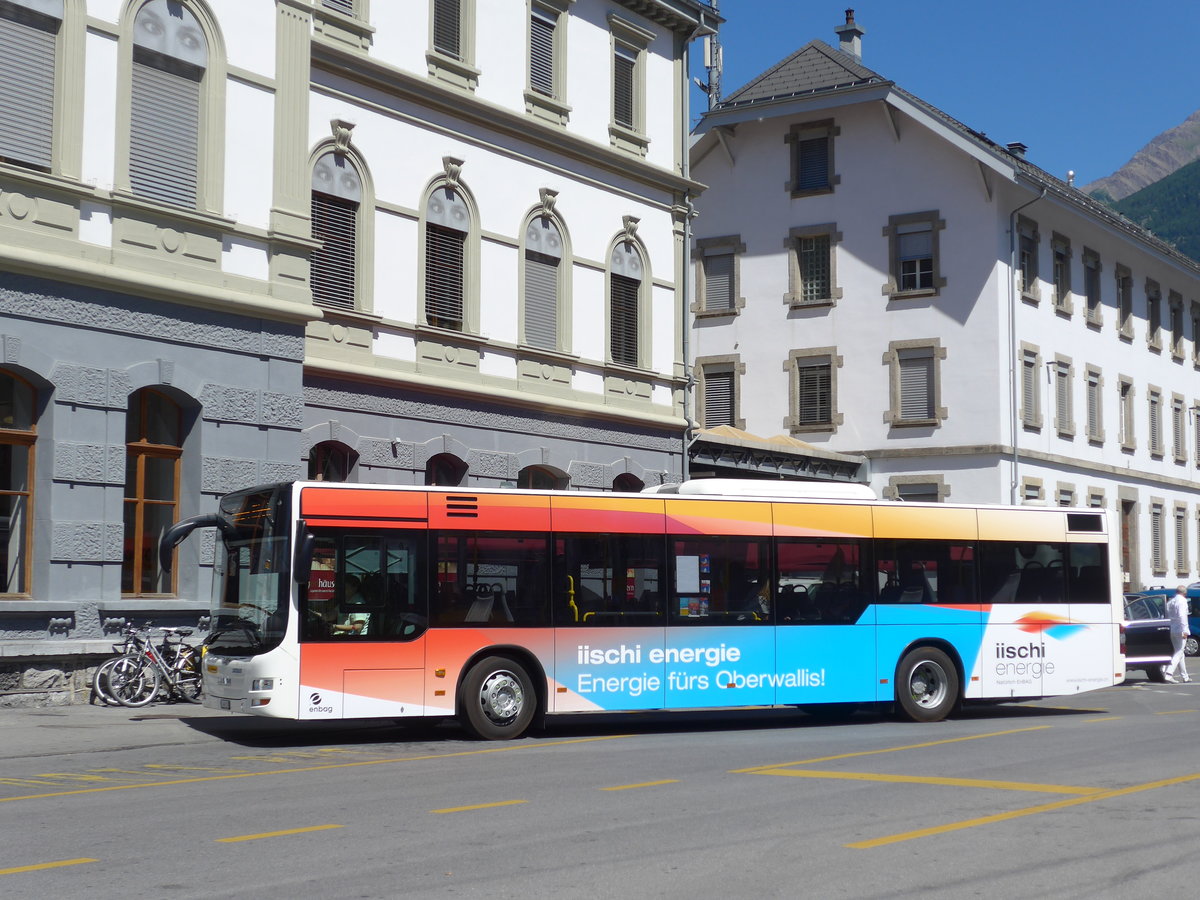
{"type": "Point", "coordinates": [815, 66]}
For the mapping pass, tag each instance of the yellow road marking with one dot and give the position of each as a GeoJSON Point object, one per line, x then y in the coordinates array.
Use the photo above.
{"type": "Point", "coordinates": [49, 865]}
{"type": "Point", "coordinates": [1105, 719]}
{"type": "Point", "coordinates": [858, 753]}
{"type": "Point", "coordinates": [629, 787]}
{"type": "Point", "coordinates": [1018, 813]}
{"type": "Point", "coordinates": [72, 777]}
{"type": "Point", "coordinates": [271, 834]}
{"type": "Point", "coordinates": [199, 779]}
{"type": "Point", "coordinates": [931, 779]}
{"type": "Point", "coordinates": [1175, 712]}
{"type": "Point", "coordinates": [453, 809]}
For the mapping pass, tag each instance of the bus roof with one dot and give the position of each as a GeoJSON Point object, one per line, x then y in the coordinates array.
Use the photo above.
{"type": "Point", "coordinates": [747, 487]}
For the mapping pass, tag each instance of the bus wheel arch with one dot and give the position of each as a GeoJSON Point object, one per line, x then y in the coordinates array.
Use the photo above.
{"type": "Point", "coordinates": [499, 697]}
{"type": "Point", "coordinates": [928, 681]}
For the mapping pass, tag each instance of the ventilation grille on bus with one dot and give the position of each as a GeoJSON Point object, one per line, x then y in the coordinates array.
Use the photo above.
{"type": "Point", "coordinates": [462, 507]}
{"type": "Point", "coordinates": [1084, 522]}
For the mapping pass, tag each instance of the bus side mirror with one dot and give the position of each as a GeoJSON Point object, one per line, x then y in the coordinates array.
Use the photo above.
{"type": "Point", "coordinates": [302, 561]}
{"type": "Point", "coordinates": [174, 535]}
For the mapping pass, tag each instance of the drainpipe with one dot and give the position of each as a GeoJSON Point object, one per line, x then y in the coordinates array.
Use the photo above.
{"type": "Point", "coordinates": [1014, 371]}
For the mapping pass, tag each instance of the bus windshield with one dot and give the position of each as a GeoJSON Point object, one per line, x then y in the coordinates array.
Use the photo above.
{"type": "Point", "coordinates": [250, 602]}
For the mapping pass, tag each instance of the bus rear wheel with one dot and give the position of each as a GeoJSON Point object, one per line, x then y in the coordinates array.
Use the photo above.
{"type": "Point", "coordinates": [926, 685]}
{"type": "Point", "coordinates": [497, 701]}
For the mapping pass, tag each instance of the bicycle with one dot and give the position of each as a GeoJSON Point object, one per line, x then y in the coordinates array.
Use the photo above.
{"type": "Point", "coordinates": [142, 671]}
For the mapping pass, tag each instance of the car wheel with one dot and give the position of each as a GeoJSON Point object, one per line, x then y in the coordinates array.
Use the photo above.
{"type": "Point", "coordinates": [1156, 673]}
{"type": "Point", "coordinates": [1191, 646]}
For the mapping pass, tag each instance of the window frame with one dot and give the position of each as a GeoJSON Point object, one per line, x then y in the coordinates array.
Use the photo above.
{"type": "Point", "coordinates": [799, 134]}
{"type": "Point", "coordinates": [361, 295]}
{"type": "Point", "coordinates": [914, 349]}
{"type": "Point", "coordinates": [903, 224]}
{"type": "Point", "coordinates": [1027, 274]}
{"type": "Point", "coordinates": [1153, 316]}
{"type": "Point", "coordinates": [1064, 400]}
{"type": "Point", "coordinates": [707, 249]}
{"type": "Point", "coordinates": [1126, 397]}
{"type": "Point", "coordinates": [138, 452]}
{"type": "Point", "coordinates": [1154, 409]}
{"type": "Point", "coordinates": [795, 296]}
{"type": "Point", "coordinates": [1124, 281]}
{"type": "Point", "coordinates": [1093, 268]}
{"type": "Point", "coordinates": [642, 325]}
{"type": "Point", "coordinates": [1175, 324]}
{"type": "Point", "coordinates": [1031, 396]}
{"type": "Point", "coordinates": [26, 440]}
{"type": "Point", "coordinates": [562, 283]}
{"type": "Point", "coordinates": [628, 40]}
{"type": "Point", "coordinates": [1094, 380]}
{"type": "Point", "coordinates": [827, 359]}
{"type": "Point", "coordinates": [1179, 429]}
{"type": "Point", "coordinates": [550, 106]}
{"type": "Point", "coordinates": [470, 256]}
{"type": "Point", "coordinates": [455, 68]}
{"type": "Point", "coordinates": [707, 366]}
{"type": "Point", "coordinates": [1060, 251]}
{"type": "Point", "coordinates": [211, 114]}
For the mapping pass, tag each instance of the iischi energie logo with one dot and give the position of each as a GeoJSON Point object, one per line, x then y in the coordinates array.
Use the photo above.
{"type": "Point", "coordinates": [1055, 626]}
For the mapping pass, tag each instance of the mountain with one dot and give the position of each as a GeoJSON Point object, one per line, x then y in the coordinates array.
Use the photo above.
{"type": "Point", "coordinates": [1165, 154]}
{"type": "Point", "coordinates": [1170, 208]}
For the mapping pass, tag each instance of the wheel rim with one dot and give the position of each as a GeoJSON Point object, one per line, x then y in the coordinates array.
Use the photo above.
{"type": "Point", "coordinates": [501, 697]}
{"type": "Point", "coordinates": [927, 683]}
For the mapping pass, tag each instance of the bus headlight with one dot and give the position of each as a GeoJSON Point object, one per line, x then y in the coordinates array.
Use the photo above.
{"type": "Point", "coordinates": [262, 684]}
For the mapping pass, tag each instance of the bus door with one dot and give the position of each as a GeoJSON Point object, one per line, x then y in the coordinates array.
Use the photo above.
{"type": "Point", "coordinates": [363, 615]}
{"type": "Point", "coordinates": [825, 639]}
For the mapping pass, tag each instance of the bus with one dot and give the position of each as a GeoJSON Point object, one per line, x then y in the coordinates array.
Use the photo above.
{"type": "Point", "coordinates": [502, 607]}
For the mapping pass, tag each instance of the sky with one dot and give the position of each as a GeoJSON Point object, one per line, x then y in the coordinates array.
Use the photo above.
{"type": "Point", "coordinates": [1084, 84]}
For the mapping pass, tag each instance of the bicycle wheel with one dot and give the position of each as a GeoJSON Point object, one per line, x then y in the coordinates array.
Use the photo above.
{"type": "Point", "coordinates": [134, 682]}
{"type": "Point", "coordinates": [189, 684]}
{"type": "Point", "coordinates": [100, 682]}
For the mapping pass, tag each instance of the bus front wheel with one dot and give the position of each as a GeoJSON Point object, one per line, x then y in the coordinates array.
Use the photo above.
{"type": "Point", "coordinates": [497, 701]}
{"type": "Point", "coordinates": [926, 685]}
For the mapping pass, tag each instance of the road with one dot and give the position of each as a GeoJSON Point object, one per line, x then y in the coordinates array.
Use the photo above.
{"type": "Point", "coordinates": [1089, 796]}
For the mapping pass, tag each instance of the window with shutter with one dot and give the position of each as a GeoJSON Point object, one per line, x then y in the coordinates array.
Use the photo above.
{"type": "Point", "coordinates": [1093, 405]}
{"type": "Point", "coordinates": [345, 7]}
{"type": "Point", "coordinates": [814, 392]}
{"type": "Point", "coordinates": [718, 399]}
{"type": "Point", "coordinates": [1180, 541]}
{"type": "Point", "coordinates": [169, 59]}
{"type": "Point", "coordinates": [1062, 397]}
{"type": "Point", "coordinates": [625, 287]}
{"type": "Point", "coordinates": [447, 27]}
{"type": "Point", "coordinates": [447, 220]}
{"type": "Point", "coordinates": [543, 255]}
{"type": "Point", "coordinates": [1029, 391]}
{"type": "Point", "coordinates": [918, 492]}
{"type": "Point", "coordinates": [718, 281]}
{"type": "Point", "coordinates": [624, 63]}
{"type": "Point", "coordinates": [336, 196]}
{"type": "Point", "coordinates": [1091, 285]}
{"type": "Point", "coordinates": [28, 50]}
{"type": "Point", "coordinates": [1155, 424]}
{"type": "Point", "coordinates": [916, 386]}
{"type": "Point", "coordinates": [1156, 539]}
{"type": "Point", "coordinates": [813, 163]}
{"type": "Point", "coordinates": [541, 52]}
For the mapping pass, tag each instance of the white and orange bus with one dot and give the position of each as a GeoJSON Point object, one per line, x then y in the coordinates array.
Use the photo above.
{"type": "Point", "coordinates": [500, 607]}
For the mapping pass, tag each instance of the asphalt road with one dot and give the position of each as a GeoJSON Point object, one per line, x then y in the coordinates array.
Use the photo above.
{"type": "Point", "coordinates": [1087, 797]}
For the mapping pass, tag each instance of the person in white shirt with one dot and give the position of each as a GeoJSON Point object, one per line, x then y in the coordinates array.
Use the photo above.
{"type": "Point", "coordinates": [1177, 613]}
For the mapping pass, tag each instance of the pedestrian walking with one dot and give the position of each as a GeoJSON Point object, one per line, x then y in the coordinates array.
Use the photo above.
{"type": "Point", "coordinates": [1177, 613]}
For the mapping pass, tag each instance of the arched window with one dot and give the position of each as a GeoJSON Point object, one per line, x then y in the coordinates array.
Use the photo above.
{"type": "Point", "coordinates": [331, 461]}
{"type": "Point", "coordinates": [336, 198]}
{"type": "Point", "coordinates": [447, 224]}
{"type": "Point", "coordinates": [153, 448]}
{"type": "Point", "coordinates": [542, 478]}
{"type": "Point", "coordinates": [628, 483]}
{"type": "Point", "coordinates": [543, 261]}
{"type": "Point", "coordinates": [170, 56]}
{"type": "Point", "coordinates": [445, 469]}
{"type": "Point", "coordinates": [17, 435]}
{"type": "Point", "coordinates": [624, 299]}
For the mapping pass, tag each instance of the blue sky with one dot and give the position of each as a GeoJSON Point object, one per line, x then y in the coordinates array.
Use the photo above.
{"type": "Point", "coordinates": [1084, 83]}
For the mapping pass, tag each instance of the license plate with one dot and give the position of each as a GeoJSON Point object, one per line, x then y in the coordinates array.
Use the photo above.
{"type": "Point", "coordinates": [224, 704]}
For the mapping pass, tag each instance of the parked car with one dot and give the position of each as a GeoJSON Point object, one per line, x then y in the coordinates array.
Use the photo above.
{"type": "Point", "coordinates": [1147, 634]}
{"type": "Point", "coordinates": [1192, 646]}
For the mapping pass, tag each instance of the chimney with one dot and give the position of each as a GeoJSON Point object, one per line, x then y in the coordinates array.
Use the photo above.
{"type": "Point", "coordinates": [1016, 148]}
{"type": "Point", "coordinates": [850, 36]}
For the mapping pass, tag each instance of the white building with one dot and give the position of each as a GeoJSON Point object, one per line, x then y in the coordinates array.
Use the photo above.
{"type": "Point", "coordinates": [431, 241]}
{"type": "Point", "coordinates": [876, 278]}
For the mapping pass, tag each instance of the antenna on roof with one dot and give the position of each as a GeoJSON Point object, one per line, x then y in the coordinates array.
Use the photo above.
{"type": "Point", "coordinates": [713, 63]}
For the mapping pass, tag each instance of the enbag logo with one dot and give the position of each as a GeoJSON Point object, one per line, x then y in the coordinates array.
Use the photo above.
{"type": "Point", "coordinates": [314, 704]}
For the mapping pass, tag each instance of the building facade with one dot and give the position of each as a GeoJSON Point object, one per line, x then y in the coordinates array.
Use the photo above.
{"type": "Point", "coordinates": [240, 242]}
{"type": "Point", "coordinates": [875, 278]}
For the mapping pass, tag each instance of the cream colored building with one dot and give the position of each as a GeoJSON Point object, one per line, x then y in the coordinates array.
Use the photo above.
{"type": "Point", "coordinates": [250, 240]}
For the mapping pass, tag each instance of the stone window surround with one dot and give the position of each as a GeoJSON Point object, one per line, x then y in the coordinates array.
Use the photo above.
{"type": "Point", "coordinates": [792, 423]}
{"type": "Point", "coordinates": [354, 30]}
{"type": "Point", "coordinates": [1028, 228]}
{"type": "Point", "coordinates": [1126, 397]}
{"type": "Point", "coordinates": [644, 310]}
{"type": "Point", "coordinates": [731, 362]}
{"type": "Point", "coordinates": [1153, 330]}
{"type": "Point", "coordinates": [891, 288]}
{"type": "Point", "coordinates": [1033, 490]}
{"type": "Point", "coordinates": [1158, 511]}
{"type": "Point", "coordinates": [802, 131]}
{"type": "Point", "coordinates": [1063, 301]}
{"type": "Point", "coordinates": [1031, 419]}
{"type": "Point", "coordinates": [1175, 316]}
{"type": "Point", "coordinates": [364, 265]}
{"type": "Point", "coordinates": [1061, 489]}
{"type": "Point", "coordinates": [565, 278]}
{"type": "Point", "coordinates": [792, 299]}
{"type": "Point", "coordinates": [892, 490]}
{"type": "Point", "coordinates": [1180, 521]}
{"type": "Point", "coordinates": [717, 246]}
{"type": "Point", "coordinates": [471, 254]}
{"type": "Point", "coordinates": [891, 359]}
{"type": "Point", "coordinates": [1060, 362]}
{"type": "Point", "coordinates": [1124, 279]}
{"type": "Point", "coordinates": [1154, 400]}
{"type": "Point", "coordinates": [1179, 429]}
